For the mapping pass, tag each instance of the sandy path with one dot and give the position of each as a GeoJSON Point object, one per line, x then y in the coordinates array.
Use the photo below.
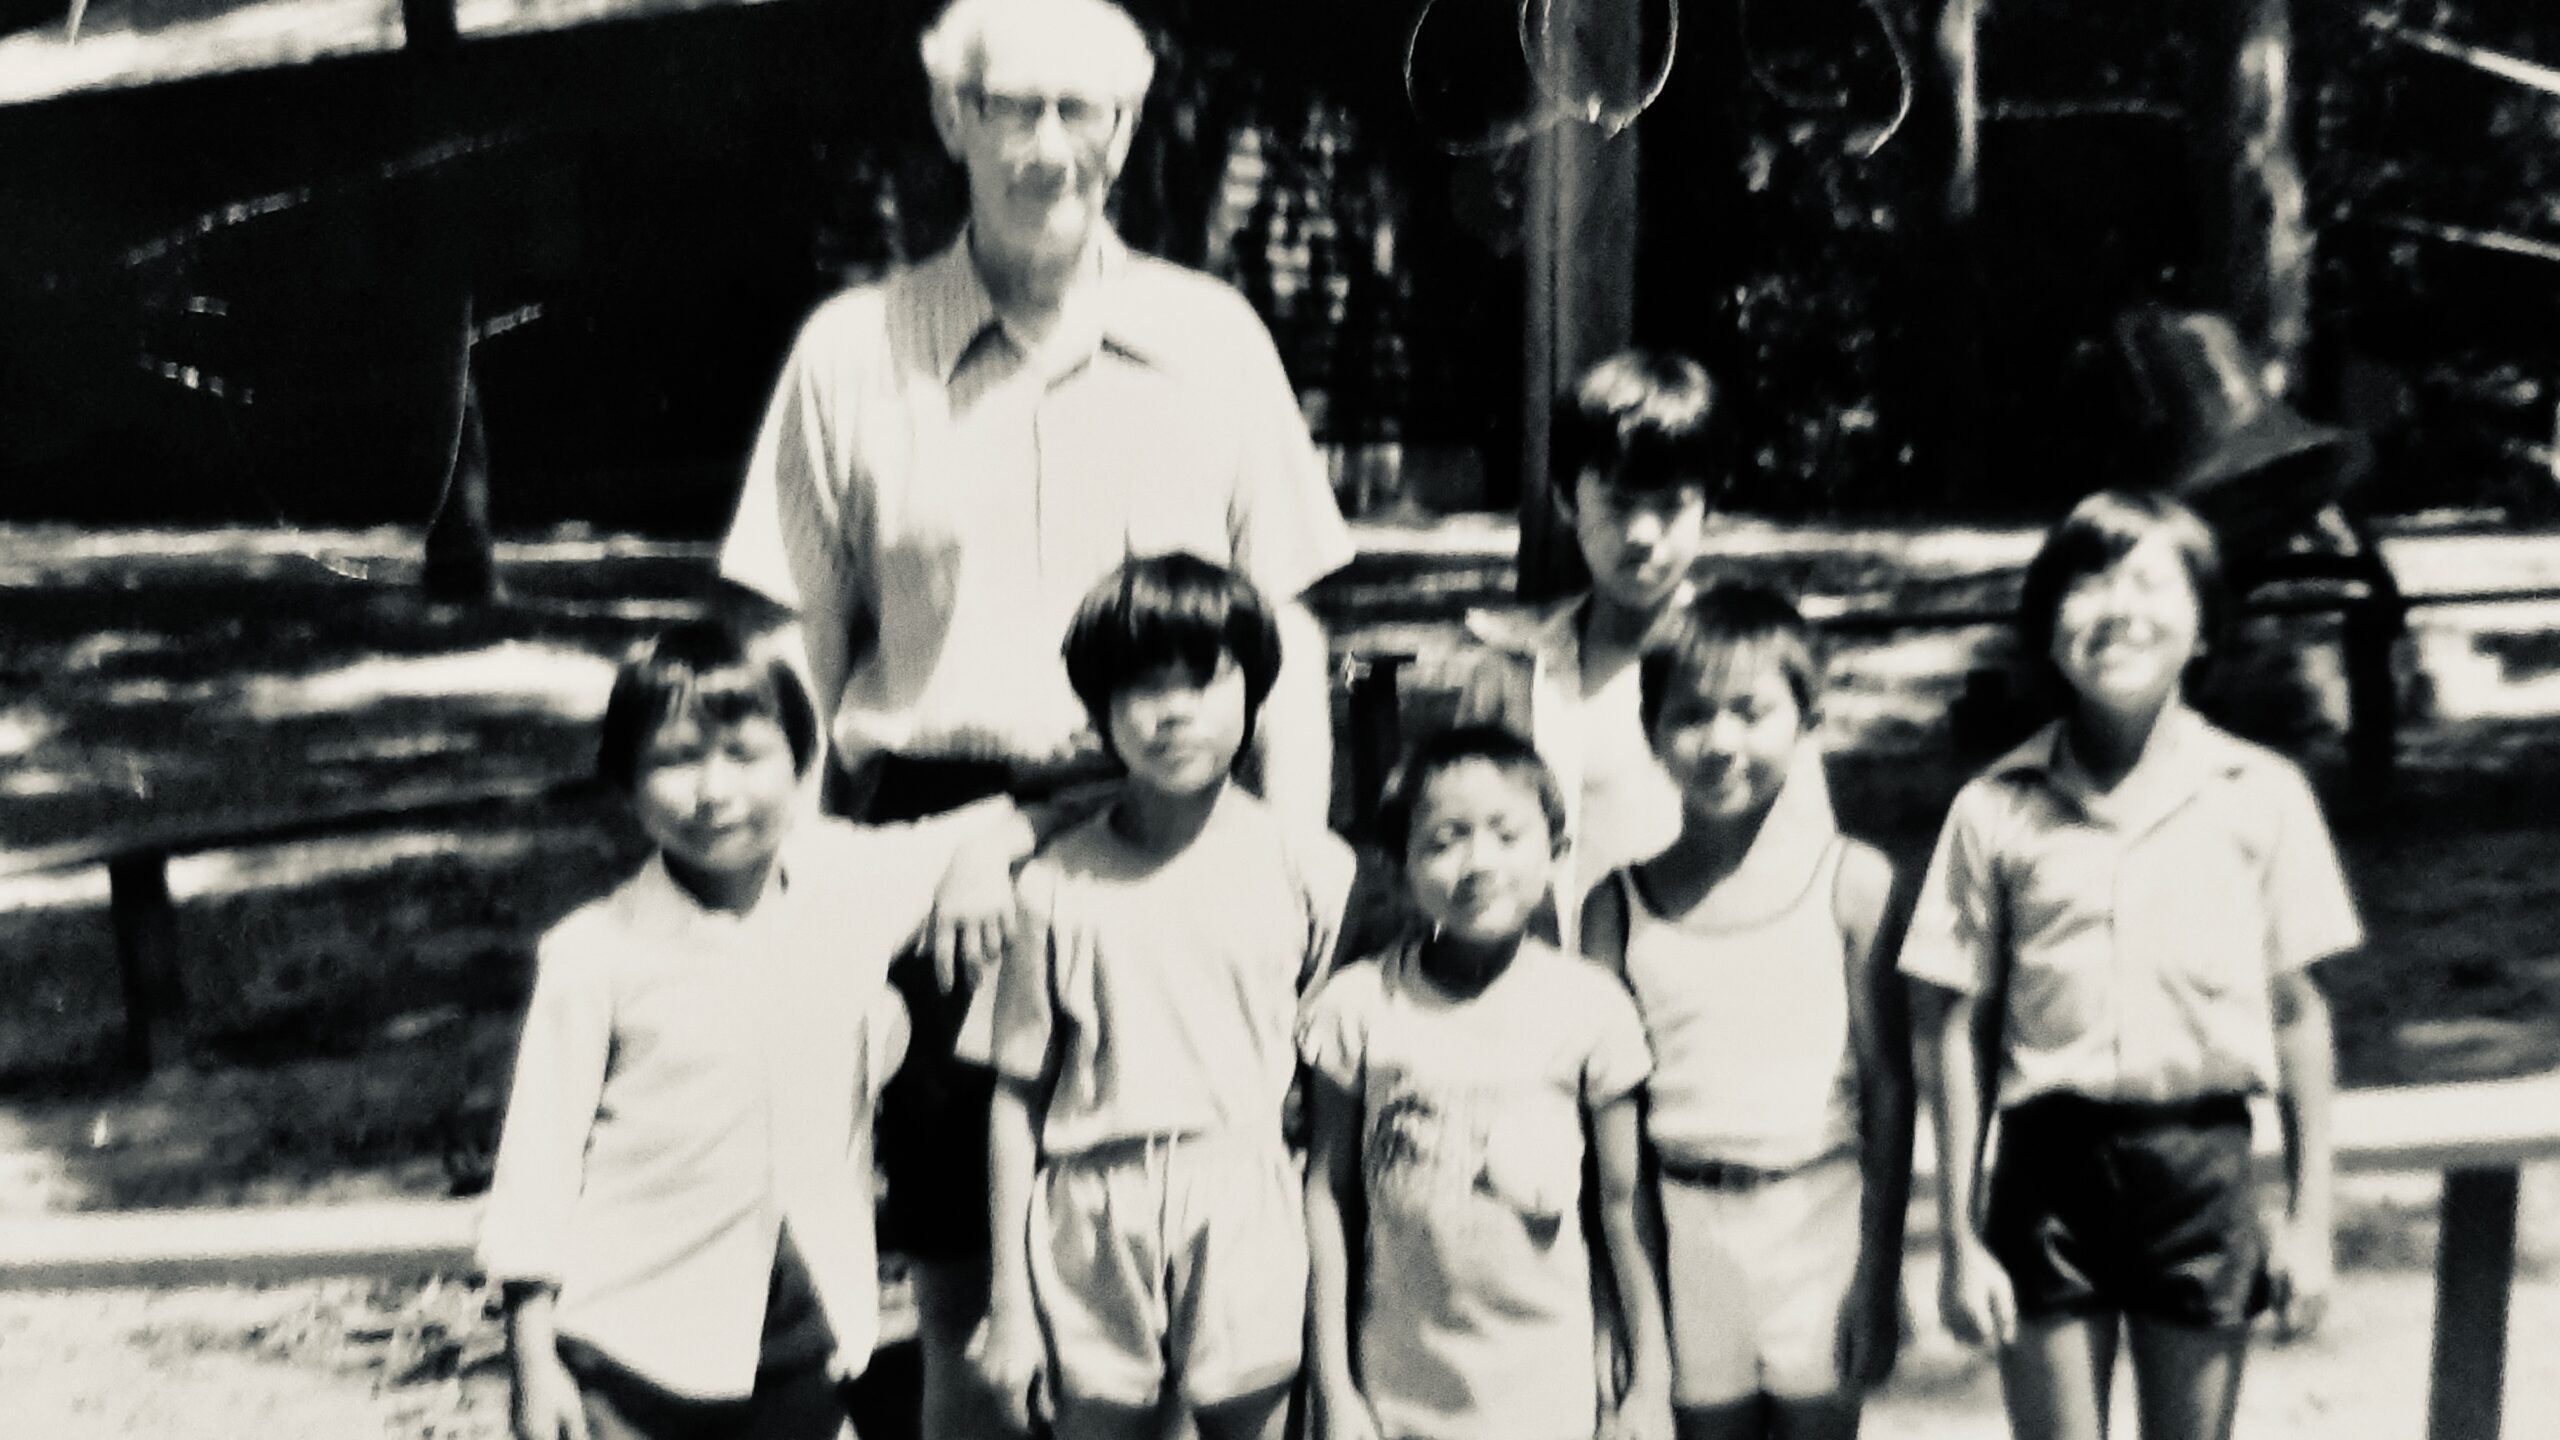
{"type": "Point", "coordinates": [222, 1364]}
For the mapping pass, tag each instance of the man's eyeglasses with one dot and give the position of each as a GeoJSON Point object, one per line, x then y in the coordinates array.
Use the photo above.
{"type": "Point", "coordinates": [1081, 116]}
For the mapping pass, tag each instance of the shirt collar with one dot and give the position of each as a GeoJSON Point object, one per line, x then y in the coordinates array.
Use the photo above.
{"type": "Point", "coordinates": [2195, 754]}
{"type": "Point", "coordinates": [960, 314]}
{"type": "Point", "coordinates": [661, 906]}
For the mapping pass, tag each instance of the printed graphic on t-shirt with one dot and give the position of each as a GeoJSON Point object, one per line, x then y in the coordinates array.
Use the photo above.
{"type": "Point", "coordinates": [1462, 1161]}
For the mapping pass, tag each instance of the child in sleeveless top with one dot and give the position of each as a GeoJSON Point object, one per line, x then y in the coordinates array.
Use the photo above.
{"type": "Point", "coordinates": [2137, 899]}
{"type": "Point", "coordinates": [1780, 1110]}
{"type": "Point", "coordinates": [1454, 1081]}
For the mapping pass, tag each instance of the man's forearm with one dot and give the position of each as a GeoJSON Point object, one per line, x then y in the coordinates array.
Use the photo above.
{"type": "Point", "coordinates": [1295, 732]}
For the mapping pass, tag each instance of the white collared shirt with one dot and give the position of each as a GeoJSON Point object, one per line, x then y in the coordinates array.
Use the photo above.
{"type": "Point", "coordinates": [2140, 928]}
{"type": "Point", "coordinates": [934, 500]}
{"type": "Point", "coordinates": [689, 1078]}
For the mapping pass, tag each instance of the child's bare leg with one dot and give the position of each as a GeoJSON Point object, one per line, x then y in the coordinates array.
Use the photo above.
{"type": "Point", "coordinates": [1815, 1417]}
{"type": "Point", "coordinates": [1262, 1415]}
{"type": "Point", "coordinates": [1102, 1420]}
{"type": "Point", "coordinates": [1743, 1419]}
{"type": "Point", "coordinates": [2187, 1379]}
{"type": "Point", "coordinates": [951, 1298]}
{"type": "Point", "coordinates": [2054, 1377]}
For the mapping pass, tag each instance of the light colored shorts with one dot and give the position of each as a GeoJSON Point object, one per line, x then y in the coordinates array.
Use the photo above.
{"type": "Point", "coordinates": [1185, 1255]}
{"type": "Point", "coordinates": [1758, 1278]}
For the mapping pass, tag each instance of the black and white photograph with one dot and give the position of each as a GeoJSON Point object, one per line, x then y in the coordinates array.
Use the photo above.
{"type": "Point", "coordinates": [1342, 720]}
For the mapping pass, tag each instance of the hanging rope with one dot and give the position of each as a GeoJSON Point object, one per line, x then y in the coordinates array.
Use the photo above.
{"type": "Point", "coordinates": [1905, 75]}
{"type": "Point", "coordinates": [1556, 103]}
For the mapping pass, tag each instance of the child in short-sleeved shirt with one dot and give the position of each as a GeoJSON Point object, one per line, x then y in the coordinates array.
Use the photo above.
{"type": "Point", "coordinates": [2138, 897]}
{"type": "Point", "coordinates": [1151, 1243]}
{"type": "Point", "coordinates": [681, 1212]}
{"type": "Point", "coordinates": [1633, 471]}
{"type": "Point", "coordinates": [1779, 1115]}
{"type": "Point", "coordinates": [1455, 1079]}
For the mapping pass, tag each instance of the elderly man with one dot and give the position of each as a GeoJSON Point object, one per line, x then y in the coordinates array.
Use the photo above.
{"type": "Point", "coordinates": [952, 457]}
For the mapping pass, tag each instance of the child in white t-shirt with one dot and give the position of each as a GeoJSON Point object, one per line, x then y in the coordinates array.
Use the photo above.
{"type": "Point", "coordinates": [1149, 1242]}
{"type": "Point", "coordinates": [1454, 1081]}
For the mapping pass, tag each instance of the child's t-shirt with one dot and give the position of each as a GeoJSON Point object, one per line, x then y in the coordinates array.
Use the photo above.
{"type": "Point", "coordinates": [2138, 932]}
{"type": "Point", "coordinates": [1169, 986]}
{"type": "Point", "coordinates": [1478, 1323]}
{"type": "Point", "coordinates": [688, 1079]}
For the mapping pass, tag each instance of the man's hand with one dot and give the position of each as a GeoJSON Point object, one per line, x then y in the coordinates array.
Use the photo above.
{"type": "Point", "coordinates": [2302, 1267]}
{"type": "Point", "coordinates": [1009, 1357]}
{"type": "Point", "coordinates": [973, 912]}
{"type": "Point", "coordinates": [544, 1402]}
{"type": "Point", "coordinates": [1974, 1296]}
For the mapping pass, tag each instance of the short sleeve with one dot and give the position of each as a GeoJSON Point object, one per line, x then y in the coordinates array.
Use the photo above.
{"type": "Point", "coordinates": [1288, 531]}
{"type": "Point", "coordinates": [1621, 1058]}
{"type": "Point", "coordinates": [2311, 915]}
{"type": "Point", "coordinates": [1025, 1013]}
{"type": "Point", "coordinates": [1955, 930]}
{"type": "Point", "coordinates": [1333, 1034]}
{"type": "Point", "coordinates": [1326, 869]}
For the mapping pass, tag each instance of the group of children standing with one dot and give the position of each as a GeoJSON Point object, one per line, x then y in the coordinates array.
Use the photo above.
{"type": "Point", "coordinates": [1476, 1186]}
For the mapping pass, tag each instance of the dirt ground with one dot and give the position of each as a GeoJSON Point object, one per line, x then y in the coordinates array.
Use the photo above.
{"type": "Point", "coordinates": [353, 1361]}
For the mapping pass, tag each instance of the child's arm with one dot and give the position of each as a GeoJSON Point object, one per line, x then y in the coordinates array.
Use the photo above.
{"type": "Point", "coordinates": [1873, 912]}
{"type": "Point", "coordinates": [1973, 1291]}
{"type": "Point", "coordinates": [541, 1166]}
{"type": "Point", "coordinates": [2304, 1256]}
{"type": "Point", "coordinates": [1010, 1352]}
{"type": "Point", "coordinates": [2313, 919]}
{"type": "Point", "coordinates": [1644, 1411]}
{"type": "Point", "coordinates": [1333, 1199]}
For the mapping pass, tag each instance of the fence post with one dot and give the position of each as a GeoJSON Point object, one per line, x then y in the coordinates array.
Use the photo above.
{"type": "Point", "coordinates": [2475, 1273]}
{"type": "Point", "coordinates": [146, 930]}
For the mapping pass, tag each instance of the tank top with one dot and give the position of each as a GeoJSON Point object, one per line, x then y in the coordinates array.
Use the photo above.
{"type": "Point", "coordinates": [1750, 1029]}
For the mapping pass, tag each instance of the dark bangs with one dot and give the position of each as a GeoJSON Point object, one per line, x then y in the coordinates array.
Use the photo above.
{"type": "Point", "coordinates": [2103, 529]}
{"type": "Point", "coordinates": [1729, 632]}
{"type": "Point", "coordinates": [1640, 419]}
{"type": "Point", "coordinates": [707, 669]}
{"type": "Point", "coordinates": [1174, 611]}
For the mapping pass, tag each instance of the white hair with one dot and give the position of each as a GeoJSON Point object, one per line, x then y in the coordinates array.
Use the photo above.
{"type": "Point", "coordinates": [954, 45]}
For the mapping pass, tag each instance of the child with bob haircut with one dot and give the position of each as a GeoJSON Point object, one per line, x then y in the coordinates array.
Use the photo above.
{"type": "Point", "coordinates": [1779, 1115]}
{"type": "Point", "coordinates": [1454, 1080]}
{"type": "Point", "coordinates": [2132, 901]}
{"type": "Point", "coordinates": [1634, 467]}
{"type": "Point", "coordinates": [1148, 1241]}
{"type": "Point", "coordinates": [680, 1219]}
